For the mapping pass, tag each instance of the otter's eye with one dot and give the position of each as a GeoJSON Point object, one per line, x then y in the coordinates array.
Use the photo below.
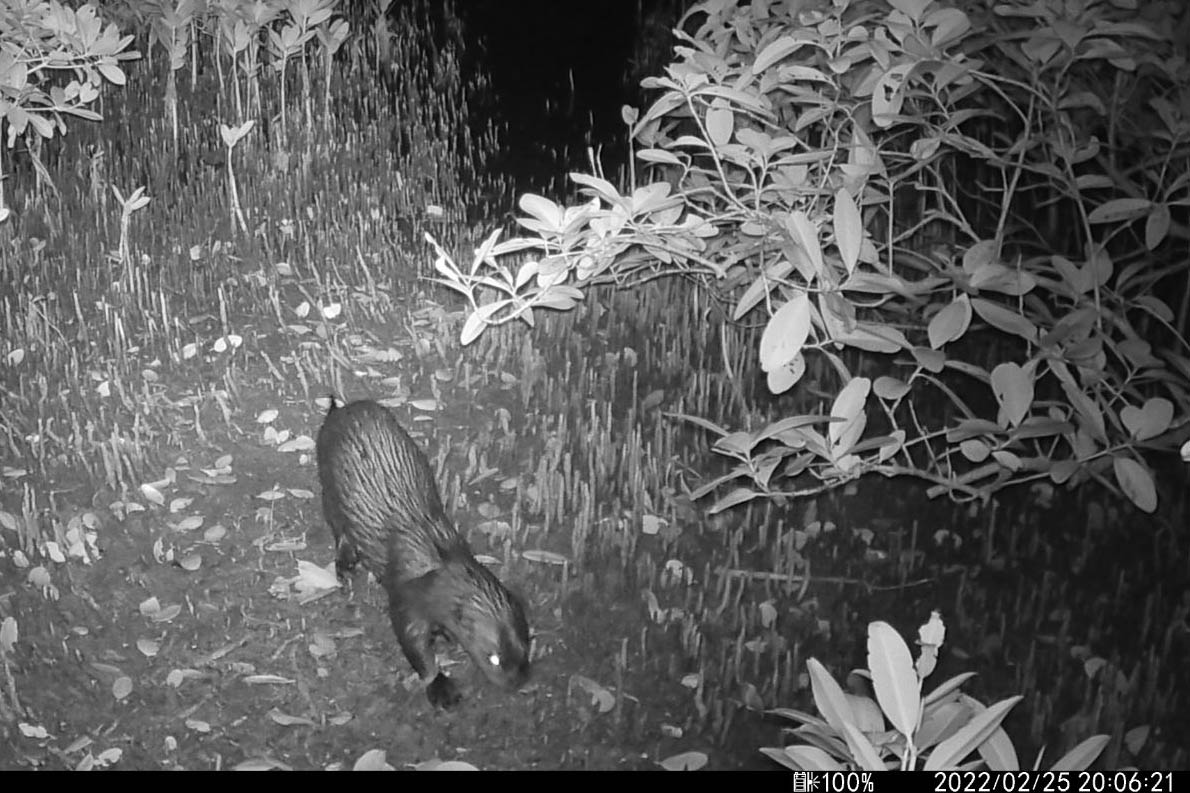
{"type": "Point", "coordinates": [494, 659]}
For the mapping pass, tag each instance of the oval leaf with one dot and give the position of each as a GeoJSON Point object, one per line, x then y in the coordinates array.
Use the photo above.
{"type": "Point", "coordinates": [1003, 319]}
{"type": "Point", "coordinates": [1120, 209]}
{"type": "Point", "coordinates": [1136, 482]}
{"type": "Point", "coordinates": [720, 124]}
{"type": "Point", "coordinates": [849, 406]}
{"type": "Point", "coordinates": [785, 334]}
{"type": "Point", "coordinates": [786, 377]}
{"type": "Point", "coordinates": [951, 322]}
{"type": "Point", "coordinates": [890, 388]}
{"type": "Point", "coordinates": [849, 230]}
{"type": "Point", "coordinates": [1157, 226]}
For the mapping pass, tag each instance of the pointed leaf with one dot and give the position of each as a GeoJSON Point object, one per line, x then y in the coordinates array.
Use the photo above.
{"type": "Point", "coordinates": [1003, 319]}
{"type": "Point", "coordinates": [948, 754]}
{"type": "Point", "coordinates": [759, 288]}
{"type": "Point", "coordinates": [947, 687]}
{"type": "Point", "coordinates": [861, 748]}
{"type": "Point", "coordinates": [896, 684]}
{"type": "Point", "coordinates": [828, 697]}
{"type": "Point", "coordinates": [1081, 756]}
{"type": "Point", "coordinates": [774, 52]}
{"type": "Point", "coordinates": [805, 233]}
{"type": "Point", "coordinates": [741, 495]}
{"type": "Point", "coordinates": [804, 758]}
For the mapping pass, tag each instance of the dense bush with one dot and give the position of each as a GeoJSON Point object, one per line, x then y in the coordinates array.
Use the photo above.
{"type": "Point", "coordinates": [944, 193]}
{"type": "Point", "coordinates": [937, 731]}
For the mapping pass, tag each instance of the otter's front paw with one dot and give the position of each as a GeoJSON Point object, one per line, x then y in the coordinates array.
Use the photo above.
{"type": "Point", "coordinates": [443, 692]}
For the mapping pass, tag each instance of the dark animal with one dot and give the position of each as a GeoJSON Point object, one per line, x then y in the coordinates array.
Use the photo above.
{"type": "Point", "coordinates": [381, 501]}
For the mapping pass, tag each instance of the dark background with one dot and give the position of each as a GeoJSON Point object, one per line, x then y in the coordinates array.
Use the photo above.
{"type": "Point", "coordinates": [531, 48]}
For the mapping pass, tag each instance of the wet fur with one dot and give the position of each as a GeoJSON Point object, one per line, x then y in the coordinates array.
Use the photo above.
{"type": "Point", "coordinates": [381, 501]}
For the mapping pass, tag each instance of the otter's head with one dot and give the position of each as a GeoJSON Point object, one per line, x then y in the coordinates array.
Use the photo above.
{"type": "Point", "coordinates": [499, 641]}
